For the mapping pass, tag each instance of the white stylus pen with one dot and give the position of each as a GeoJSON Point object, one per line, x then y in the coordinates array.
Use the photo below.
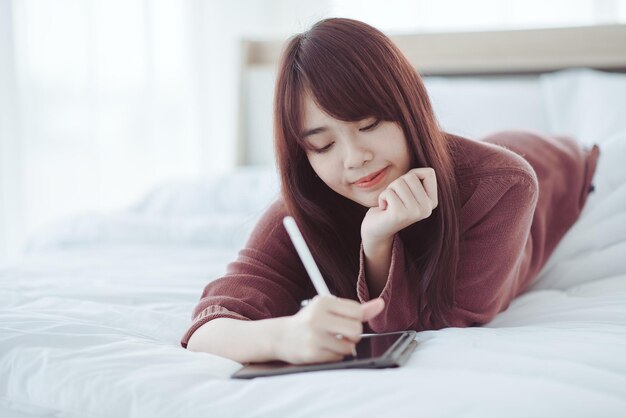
{"type": "Point", "coordinates": [305, 255]}
{"type": "Point", "coordinates": [308, 261]}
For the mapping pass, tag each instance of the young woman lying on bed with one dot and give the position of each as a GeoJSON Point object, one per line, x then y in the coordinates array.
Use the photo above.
{"type": "Point", "coordinates": [412, 228]}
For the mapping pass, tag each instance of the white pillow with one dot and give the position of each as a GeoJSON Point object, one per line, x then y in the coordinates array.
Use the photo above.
{"type": "Point", "coordinates": [243, 190]}
{"type": "Point", "coordinates": [218, 211]}
{"type": "Point", "coordinates": [477, 106]}
{"type": "Point", "coordinates": [587, 104]}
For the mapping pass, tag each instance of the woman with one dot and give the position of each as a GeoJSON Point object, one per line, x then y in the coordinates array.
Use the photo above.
{"type": "Point", "coordinates": [412, 228]}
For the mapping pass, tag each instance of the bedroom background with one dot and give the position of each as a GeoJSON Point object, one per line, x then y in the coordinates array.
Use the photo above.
{"type": "Point", "coordinates": [101, 101]}
{"type": "Point", "coordinates": [135, 158]}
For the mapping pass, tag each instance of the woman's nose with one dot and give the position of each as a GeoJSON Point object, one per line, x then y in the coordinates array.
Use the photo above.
{"type": "Point", "coordinates": [356, 156]}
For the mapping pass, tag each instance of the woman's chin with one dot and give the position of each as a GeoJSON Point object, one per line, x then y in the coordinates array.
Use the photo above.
{"type": "Point", "coordinates": [365, 201]}
{"type": "Point", "coordinates": [368, 203]}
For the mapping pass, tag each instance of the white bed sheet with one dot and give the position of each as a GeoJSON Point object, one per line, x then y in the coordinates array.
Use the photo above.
{"type": "Point", "coordinates": [93, 330]}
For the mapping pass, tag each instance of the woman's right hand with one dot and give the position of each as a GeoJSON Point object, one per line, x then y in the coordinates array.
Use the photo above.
{"type": "Point", "coordinates": [310, 336]}
{"type": "Point", "coordinates": [410, 198]}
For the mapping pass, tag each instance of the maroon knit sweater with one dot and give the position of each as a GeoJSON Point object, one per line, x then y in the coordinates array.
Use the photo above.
{"type": "Point", "coordinates": [520, 192]}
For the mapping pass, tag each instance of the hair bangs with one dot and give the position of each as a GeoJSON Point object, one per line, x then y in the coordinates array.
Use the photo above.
{"type": "Point", "coordinates": [348, 85]}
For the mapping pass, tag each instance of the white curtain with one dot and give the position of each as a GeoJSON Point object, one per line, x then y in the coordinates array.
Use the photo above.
{"type": "Point", "coordinates": [100, 100]}
{"type": "Point", "coordinates": [103, 102]}
{"type": "Point", "coordinates": [11, 221]}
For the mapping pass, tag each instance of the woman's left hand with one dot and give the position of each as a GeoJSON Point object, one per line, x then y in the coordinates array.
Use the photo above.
{"type": "Point", "coordinates": [408, 199]}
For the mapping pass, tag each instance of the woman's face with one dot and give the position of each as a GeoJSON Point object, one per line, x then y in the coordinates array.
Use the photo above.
{"type": "Point", "coordinates": [343, 153]}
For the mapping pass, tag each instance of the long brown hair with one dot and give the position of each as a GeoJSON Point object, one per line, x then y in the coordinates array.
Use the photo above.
{"type": "Point", "coordinates": [354, 71]}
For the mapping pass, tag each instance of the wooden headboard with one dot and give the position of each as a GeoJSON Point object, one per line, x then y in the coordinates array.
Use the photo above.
{"type": "Point", "coordinates": [529, 51]}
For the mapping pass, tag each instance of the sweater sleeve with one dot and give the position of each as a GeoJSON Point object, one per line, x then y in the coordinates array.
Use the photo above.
{"type": "Point", "coordinates": [494, 252]}
{"type": "Point", "coordinates": [266, 280]}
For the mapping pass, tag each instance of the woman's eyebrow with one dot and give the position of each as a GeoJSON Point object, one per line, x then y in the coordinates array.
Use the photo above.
{"type": "Point", "coordinates": [314, 131]}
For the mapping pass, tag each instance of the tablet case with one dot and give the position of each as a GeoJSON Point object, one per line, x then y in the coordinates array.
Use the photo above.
{"type": "Point", "coordinates": [396, 356]}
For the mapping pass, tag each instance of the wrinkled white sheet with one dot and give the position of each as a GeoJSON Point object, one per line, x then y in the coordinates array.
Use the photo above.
{"type": "Point", "coordinates": [92, 330]}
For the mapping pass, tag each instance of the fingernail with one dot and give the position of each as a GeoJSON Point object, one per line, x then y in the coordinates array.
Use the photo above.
{"type": "Point", "coordinates": [354, 351]}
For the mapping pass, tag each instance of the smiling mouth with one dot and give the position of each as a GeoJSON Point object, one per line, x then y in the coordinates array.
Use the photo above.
{"type": "Point", "coordinates": [372, 181]}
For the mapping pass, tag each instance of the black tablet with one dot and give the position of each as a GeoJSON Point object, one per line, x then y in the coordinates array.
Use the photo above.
{"type": "Point", "coordinates": [373, 351]}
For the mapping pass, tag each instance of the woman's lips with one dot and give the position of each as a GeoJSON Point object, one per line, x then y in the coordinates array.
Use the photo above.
{"type": "Point", "coordinates": [374, 181]}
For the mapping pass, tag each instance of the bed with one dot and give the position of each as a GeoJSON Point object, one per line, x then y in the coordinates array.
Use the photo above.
{"type": "Point", "coordinates": [91, 316]}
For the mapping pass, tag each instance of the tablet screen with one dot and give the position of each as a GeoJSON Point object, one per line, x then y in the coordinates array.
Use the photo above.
{"type": "Point", "coordinates": [370, 349]}
{"type": "Point", "coordinates": [372, 345]}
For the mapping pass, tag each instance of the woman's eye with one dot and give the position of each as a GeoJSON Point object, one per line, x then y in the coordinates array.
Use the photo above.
{"type": "Point", "coordinates": [323, 150]}
{"type": "Point", "coordinates": [372, 126]}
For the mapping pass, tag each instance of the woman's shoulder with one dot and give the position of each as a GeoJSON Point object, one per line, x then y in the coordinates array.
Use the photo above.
{"type": "Point", "coordinates": [486, 171]}
{"type": "Point", "coordinates": [271, 218]}
{"type": "Point", "coordinates": [490, 158]}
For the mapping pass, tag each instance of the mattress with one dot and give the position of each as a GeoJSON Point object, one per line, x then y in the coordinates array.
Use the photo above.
{"type": "Point", "coordinates": [90, 326]}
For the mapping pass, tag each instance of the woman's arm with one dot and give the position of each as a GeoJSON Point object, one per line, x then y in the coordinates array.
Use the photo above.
{"type": "Point", "coordinates": [409, 199]}
{"type": "Point", "coordinates": [267, 280]}
{"type": "Point", "coordinates": [377, 263]}
{"type": "Point", "coordinates": [253, 313]}
{"type": "Point", "coordinates": [239, 340]}
{"type": "Point", "coordinates": [492, 266]}
{"type": "Point", "coordinates": [309, 336]}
